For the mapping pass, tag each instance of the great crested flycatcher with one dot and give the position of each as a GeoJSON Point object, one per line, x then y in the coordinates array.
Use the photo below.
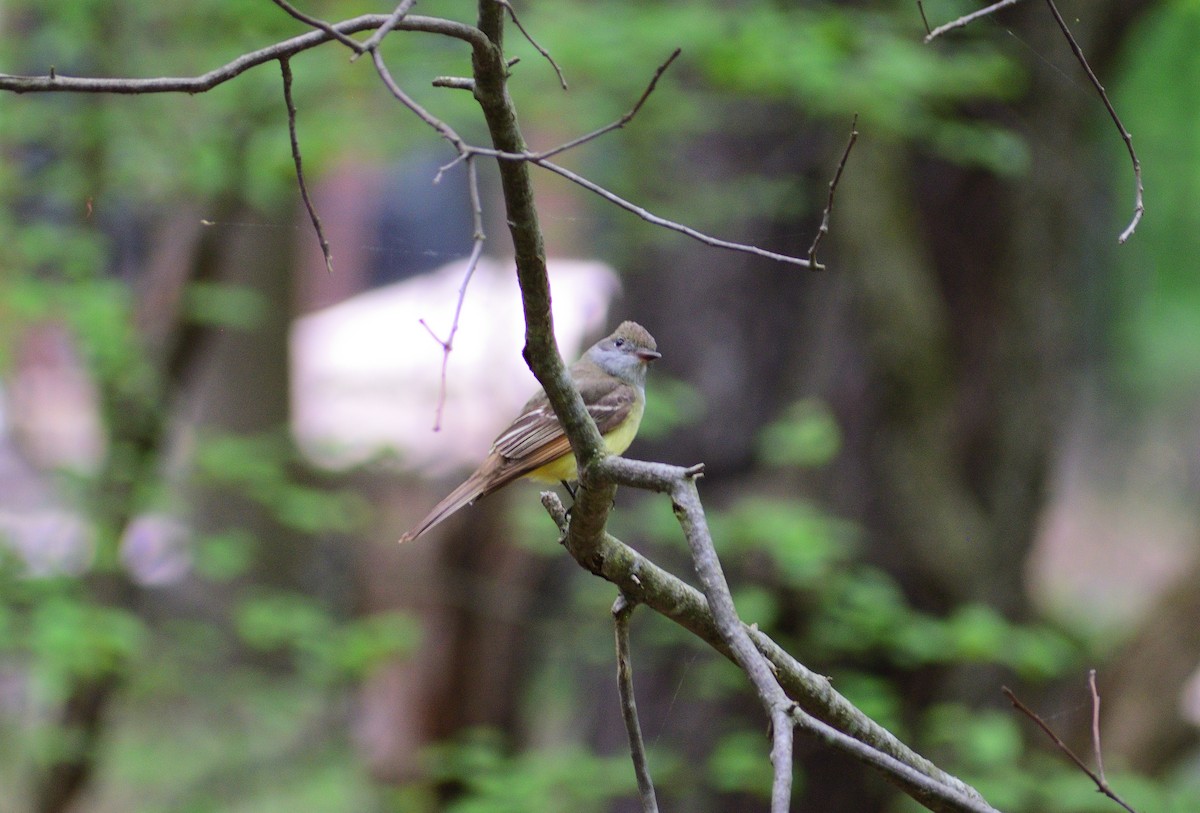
{"type": "Point", "coordinates": [611, 377]}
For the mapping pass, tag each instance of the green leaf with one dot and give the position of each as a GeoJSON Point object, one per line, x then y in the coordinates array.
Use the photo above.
{"type": "Point", "coordinates": [224, 305]}
{"type": "Point", "coordinates": [807, 435]}
{"type": "Point", "coordinates": [741, 763]}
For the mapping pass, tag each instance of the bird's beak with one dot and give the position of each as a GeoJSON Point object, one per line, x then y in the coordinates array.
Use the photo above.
{"type": "Point", "coordinates": [649, 355]}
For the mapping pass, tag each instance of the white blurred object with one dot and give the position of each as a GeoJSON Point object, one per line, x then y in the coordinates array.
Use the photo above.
{"type": "Point", "coordinates": [155, 549]}
{"type": "Point", "coordinates": [366, 374]}
{"type": "Point", "coordinates": [53, 409]}
{"type": "Point", "coordinates": [50, 541]}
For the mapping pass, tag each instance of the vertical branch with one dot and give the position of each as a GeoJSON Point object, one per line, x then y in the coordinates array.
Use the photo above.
{"type": "Point", "coordinates": [286, 68]}
{"type": "Point", "coordinates": [1096, 725]}
{"type": "Point", "coordinates": [622, 609]}
{"type": "Point", "coordinates": [541, 351]}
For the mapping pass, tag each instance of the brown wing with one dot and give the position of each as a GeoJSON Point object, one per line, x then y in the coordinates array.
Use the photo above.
{"type": "Point", "coordinates": [536, 437]}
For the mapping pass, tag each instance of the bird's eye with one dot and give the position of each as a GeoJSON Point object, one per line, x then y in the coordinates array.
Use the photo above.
{"type": "Point", "coordinates": [619, 343]}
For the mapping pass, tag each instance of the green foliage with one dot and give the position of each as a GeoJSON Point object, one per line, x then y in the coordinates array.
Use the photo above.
{"type": "Point", "coordinates": [223, 556]}
{"type": "Point", "coordinates": [567, 779]}
{"type": "Point", "coordinates": [804, 544]}
{"type": "Point", "coordinates": [214, 303]}
{"type": "Point", "coordinates": [261, 467]}
{"type": "Point", "coordinates": [66, 638]}
{"type": "Point", "coordinates": [868, 61]}
{"type": "Point", "coordinates": [806, 435]}
{"type": "Point", "coordinates": [670, 405]}
{"type": "Point", "coordinates": [228, 738]}
{"type": "Point", "coordinates": [741, 764]}
{"type": "Point", "coordinates": [1158, 332]}
{"type": "Point", "coordinates": [864, 611]}
{"type": "Point", "coordinates": [994, 752]}
{"type": "Point", "coordinates": [325, 650]}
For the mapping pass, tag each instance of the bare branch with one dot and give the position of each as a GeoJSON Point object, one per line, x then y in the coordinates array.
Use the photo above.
{"type": "Point", "coordinates": [1139, 207]}
{"type": "Point", "coordinates": [622, 609]}
{"type": "Point", "coordinates": [645, 582]}
{"type": "Point", "coordinates": [393, 20]}
{"type": "Point", "coordinates": [286, 68]}
{"type": "Point", "coordinates": [966, 19]}
{"type": "Point", "coordinates": [837, 176]}
{"type": "Point", "coordinates": [662, 221]}
{"type": "Point", "coordinates": [512, 12]}
{"type": "Point", "coordinates": [447, 132]}
{"type": "Point", "coordinates": [932, 792]}
{"type": "Point", "coordinates": [685, 499]}
{"type": "Point", "coordinates": [1096, 724]}
{"type": "Point", "coordinates": [454, 82]}
{"type": "Point", "coordinates": [621, 122]}
{"type": "Point", "coordinates": [472, 264]}
{"type": "Point", "coordinates": [320, 24]}
{"type": "Point", "coordinates": [1101, 784]}
{"type": "Point", "coordinates": [57, 83]}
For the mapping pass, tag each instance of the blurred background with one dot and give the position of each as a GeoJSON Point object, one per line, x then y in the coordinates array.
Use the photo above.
{"type": "Point", "coordinates": [964, 456]}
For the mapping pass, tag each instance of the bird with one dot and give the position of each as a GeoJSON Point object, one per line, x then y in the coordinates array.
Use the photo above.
{"type": "Point", "coordinates": [611, 378]}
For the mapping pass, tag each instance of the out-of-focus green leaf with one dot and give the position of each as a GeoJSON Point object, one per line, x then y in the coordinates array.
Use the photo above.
{"type": "Point", "coordinates": [803, 542]}
{"type": "Point", "coordinates": [806, 435]}
{"type": "Point", "coordinates": [741, 763]}
{"type": "Point", "coordinates": [220, 304]}
{"type": "Point", "coordinates": [559, 780]}
{"type": "Point", "coordinates": [670, 404]}
{"type": "Point", "coordinates": [224, 556]}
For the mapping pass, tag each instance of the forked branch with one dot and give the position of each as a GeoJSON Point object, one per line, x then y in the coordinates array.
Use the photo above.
{"type": "Point", "coordinates": [1097, 778]}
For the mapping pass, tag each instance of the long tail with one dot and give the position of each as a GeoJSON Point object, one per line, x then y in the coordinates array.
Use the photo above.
{"type": "Point", "coordinates": [472, 489]}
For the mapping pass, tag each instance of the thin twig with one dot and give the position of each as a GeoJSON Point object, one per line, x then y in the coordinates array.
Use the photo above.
{"type": "Point", "coordinates": [1101, 784]}
{"type": "Point", "coordinates": [467, 154]}
{"type": "Point", "coordinates": [924, 19]}
{"type": "Point", "coordinates": [837, 176]}
{"type": "Point", "coordinates": [669, 224]}
{"type": "Point", "coordinates": [1096, 725]}
{"type": "Point", "coordinates": [318, 23]}
{"type": "Point", "coordinates": [433, 121]}
{"type": "Point", "coordinates": [455, 82]}
{"type": "Point", "coordinates": [393, 20]}
{"type": "Point", "coordinates": [1139, 207]}
{"type": "Point", "coordinates": [512, 12]}
{"type": "Point", "coordinates": [622, 609]}
{"type": "Point", "coordinates": [967, 19]}
{"type": "Point", "coordinates": [286, 68]}
{"type": "Point", "coordinates": [472, 264]}
{"type": "Point", "coordinates": [464, 150]}
{"type": "Point", "coordinates": [621, 122]}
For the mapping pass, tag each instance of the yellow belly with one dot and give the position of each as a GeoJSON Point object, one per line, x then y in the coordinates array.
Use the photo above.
{"type": "Point", "coordinates": [615, 442]}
